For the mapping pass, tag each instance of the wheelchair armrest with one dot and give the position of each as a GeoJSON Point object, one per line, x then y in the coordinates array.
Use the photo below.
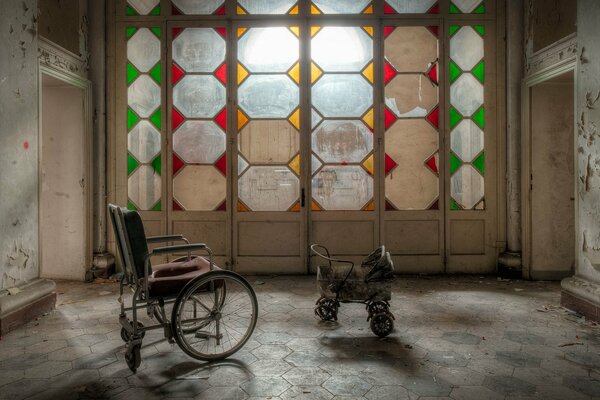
{"type": "Point", "coordinates": [179, 248]}
{"type": "Point", "coordinates": [165, 238]}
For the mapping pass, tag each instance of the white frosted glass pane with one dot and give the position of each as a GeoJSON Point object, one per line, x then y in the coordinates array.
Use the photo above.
{"type": "Point", "coordinates": [198, 7]}
{"type": "Point", "coordinates": [315, 118]}
{"type": "Point", "coordinates": [467, 140]}
{"type": "Point", "coordinates": [268, 49]}
{"type": "Point", "coordinates": [411, 95]}
{"type": "Point", "coordinates": [342, 141]}
{"type": "Point", "coordinates": [342, 187]}
{"type": "Point", "coordinates": [341, 6]}
{"type": "Point", "coordinates": [467, 187]}
{"type": "Point", "coordinates": [268, 96]}
{"type": "Point", "coordinates": [199, 50]}
{"type": "Point", "coordinates": [199, 96]}
{"type": "Point", "coordinates": [268, 188]}
{"type": "Point", "coordinates": [199, 187]}
{"type": "Point", "coordinates": [466, 48]}
{"type": "Point", "coordinates": [144, 187]}
{"type": "Point", "coordinates": [315, 164]}
{"type": "Point", "coordinates": [411, 6]}
{"type": "Point", "coordinates": [337, 49]}
{"type": "Point", "coordinates": [348, 95]}
{"type": "Point", "coordinates": [466, 94]}
{"type": "Point", "coordinates": [144, 142]}
{"type": "Point", "coordinates": [466, 6]}
{"type": "Point", "coordinates": [143, 96]}
{"type": "Point", "coordinates": [143, 7]}
{"type": "Point", "coordinates": [143, 50]}
{"type": "Point", "coordinates": [267, 6]}
{"type": "Point", "coordinates": [269, 141]}
{"type": "Point", "coordinates": [199, 142]}
{"type": "Point", "coordinates": [242, 165]}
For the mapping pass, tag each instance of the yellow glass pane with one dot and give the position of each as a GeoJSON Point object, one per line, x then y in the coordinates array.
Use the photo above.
{"type": "Point", "coordinates": [368, 118]}
{"type": "Point", "coordinates": [295, 119]}
{"type": "Point", "coordinates": [368, 72]}
{"type": "Point", "coordinates": [241, 207]}
{"type": "Point", "coordinates": [241, 11]}
{"type": "Point", "coordinates": [295, 30]}
{"type": "Point", "coordinates": [241, 31]}
{"type": "Point", "coordinates": [294, 73]}
{"type": "Point", "coordinates": [315, 72]}
{"type": "Point", "coordinates": [242, 73]}
{"type": "Point", "coordinates": [368, 164]}
{"type": "Point", "coordinates": [314, 30]}
{"type": "Point", "coordinates": [315, 206]}
{"type": "Point", "coordinates": [314, 9]}
{"type": "Point", "coordinates": [295, 164]}
{"type": "Point", "coordinates": [294, 10]}
{"type": "Point", "coordinates": [368, 10]}
{"type": "Point", "coordinates": [369, 30]}
{"type": "Point", "coordinates": [295, 207]}
{"type": "Point", "coordinates": [242, 119]}
{"type": "Point", "coordinates": [370, 206]}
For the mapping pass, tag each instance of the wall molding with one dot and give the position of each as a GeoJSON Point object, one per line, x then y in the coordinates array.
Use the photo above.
{"type": "Point", "coordinates": [563, 51]}
{"type": "Point", "coordinates": [55, 57]}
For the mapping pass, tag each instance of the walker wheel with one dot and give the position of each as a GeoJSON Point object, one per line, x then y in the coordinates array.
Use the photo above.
{"type": "Point", "coordinates": [382, 324]}
{"type": "Point", "coordinates": [126, 336]}
{"type": "Point", "coordinates": [133, 357]}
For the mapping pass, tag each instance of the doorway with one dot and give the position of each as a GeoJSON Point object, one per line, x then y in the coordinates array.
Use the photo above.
{"type": "Point", "coordinates": [551, 250]}
{"type": "Point", "coordinates": [64, 179]}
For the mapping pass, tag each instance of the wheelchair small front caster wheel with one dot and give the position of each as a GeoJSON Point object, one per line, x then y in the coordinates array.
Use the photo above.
{"type": "Point", "coordinates": [133, 357]}
{"type": "Point", "coordinates": [382, 324]}
{"type": "Point", "coordinates": [126, 336]}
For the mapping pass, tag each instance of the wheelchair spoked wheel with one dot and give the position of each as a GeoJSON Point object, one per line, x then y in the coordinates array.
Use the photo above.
{"type": "Point", "coordinates": [214, 315]}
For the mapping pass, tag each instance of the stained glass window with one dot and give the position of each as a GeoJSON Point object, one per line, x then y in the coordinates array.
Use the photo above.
{"type": "Point", "coordinates": [267, 7]}
{"type": "Point", "coordinates": [268, 118]}
{"type": "Point", "coordinates": [199, 118]}
{"type": "Point", "coordinates": [341, 7]}
{"type": "Point", "coordinates": [411, 118]}
{"type": "Point", "coordinates": [467, 117]}
{"type": "Point", "coordinates": [143, 77]}
{"type": "Point", "coordinates": [342, 118]}
{"type": "Point", "coordinates": [142, 7]}
{"type": "Point", "coordinates": [198, 7]}
{"type": "Point", "coordinates": [411, 7]}
{"type": "Point", "coordinates": [467, 7]}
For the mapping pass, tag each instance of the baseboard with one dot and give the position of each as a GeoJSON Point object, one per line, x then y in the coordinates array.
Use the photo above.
{"type": "Point", "coordinates": [581, 295]}
{"type": "Point", "coordinates": [27, 313]}
{"type": "Point", "coordinates": [586, 308]}
{"type": "Point", "coordinates": [550, 275]}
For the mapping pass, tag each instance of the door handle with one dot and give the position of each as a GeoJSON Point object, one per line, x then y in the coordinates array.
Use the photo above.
{"type": "Point", "coordinates": [302, 197]}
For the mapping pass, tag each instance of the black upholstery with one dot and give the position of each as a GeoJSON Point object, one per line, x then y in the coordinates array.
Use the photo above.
{"type": "Point", "coordinates": [137, 241]}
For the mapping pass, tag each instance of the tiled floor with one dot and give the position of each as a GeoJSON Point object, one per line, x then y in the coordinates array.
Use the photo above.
{"type": "Point", "coordinates": [459, 338]}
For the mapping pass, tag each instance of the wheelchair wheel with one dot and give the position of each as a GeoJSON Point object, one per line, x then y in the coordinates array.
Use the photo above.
{"type": "Point", "coordinates": [214, 315]}
{"type": "Point", "coordinates": [126, 336]}
{"type": "Point", "coordinates": [133, 358]}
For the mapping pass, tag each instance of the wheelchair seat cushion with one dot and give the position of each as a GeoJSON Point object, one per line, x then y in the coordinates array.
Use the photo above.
{"type": "Point", "coordinates": [168, 280]}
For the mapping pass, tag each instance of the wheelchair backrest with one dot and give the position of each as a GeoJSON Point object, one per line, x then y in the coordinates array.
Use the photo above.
{"type": "Point", "coordinates": [131, 240]}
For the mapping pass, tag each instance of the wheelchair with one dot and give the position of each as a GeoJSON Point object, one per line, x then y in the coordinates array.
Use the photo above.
{"type": "Point", "coordinates": [214, 311]}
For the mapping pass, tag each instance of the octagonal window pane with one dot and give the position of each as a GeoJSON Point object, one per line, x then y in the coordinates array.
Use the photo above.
{"type": "Point", "coordinates": [143, 7]}
{"type": "Point", "coordinates": [411, 49]}
{"type": "Point", "coordinates": [199, 50]}
{"type": "Point", "coordinates": [411, 6]}
{"type": "Point", "coordinates": [268, 96]}
{"type": "Point", "coordinates": [199, 96]}
{"type": "Point", "coordinates": [143, 96]}
{"type": "Point", "coordinates": [466, 94]}
{"type": "Point", "coordinates": [338, 141]}
{"type": "Point", "coordinates": [199, 142]}
{"type": "Point", "coordinates": [466, 6]}
{"type": "Point", "coordinates": [144, 187]}
{"type": "Point", "coordinates": [341, 6]}
{"type": "Point", "coordinates": [337, 95]}
{"type": "Point", "coordinates": [144, 142]}
{"type": "Point", "coordinates": [467, 187]}
{"type": "Point", "coordinates": [466, 48]}
{"type": "Point", "coordinates": [198, 7]}
{"type": "Point", "coordinates": [342, 187]}
{"type": "Point", "coordinates": [265, 188]}
{"type": "Point", "coordinates": [199, 187]}
{"type": "Point", "coordinates": [467, 140]}
{"type": "Point", "coordinates": [267, 6]}
{"type": "Point", "coordinates": [273, 49]}
{"type": "Point", "coordinates": [337, 49]}
{"type": "Point", "coordinates": [411, 95]}
{"type": "Point", "coordinates": [269, 141]}
{"type": "Point", "coordinates": [143, 49]}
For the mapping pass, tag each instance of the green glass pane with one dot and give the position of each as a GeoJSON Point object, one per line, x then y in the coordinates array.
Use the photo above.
{"type": "Point", "coordinates": [479, 163]}
{"type": "Point", "coordinates": [455, 163]}
{"type": "Point", "coordinates": [455, 117]}
{"type": "Point", "coordinates": [132, 119]}
{"type": "Point", "coordinates": [480, 29]}
{"type": "Point", "coordinates": [129, 11]}
{"type": "Point", "coordinates": [132, 73]}
{"type": "Point", "coordinates": [479, 71]}
{"type": "Point", "coordinates": [129, 32]}
{"type": "Point", "coordinates": [156, 31]}
{"type": "Point", "coordinates": [157, 206]}
{"type": "Point", "coordinates": [156, 119]}
{"type": "Point", "coordinates": [156, 164]}
{"type": "Point", "coordinates": [132, 164]}
{"type": "Point", "coordinates": [455, 71]}
{"type": "Point", "coordinates": [131, 206]}
{"type": "Point", "coordinates": [480, 9]}
{"type": "Point", "coordinates": [454, 205]}
{"type": "Point", "coordinates": [453, 29]}
{"type": "Point", "coordinates": [454, 9]}
{"type": "Point", "coordinates": [479, 117]}
{"type": "Point", "coordinates": [155, 11]}
{"type": "Point", "coordinates": [155, 73]}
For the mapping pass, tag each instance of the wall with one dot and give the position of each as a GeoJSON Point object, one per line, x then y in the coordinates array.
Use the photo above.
{"type": "Point", "coordinates": [60, 23]}
{"type": "Point", "coordinates": [18, 142]}
{"type": "Point", "coordinates": [588, 125]}
{"type": "Point", "coordinates": [550, 21]}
